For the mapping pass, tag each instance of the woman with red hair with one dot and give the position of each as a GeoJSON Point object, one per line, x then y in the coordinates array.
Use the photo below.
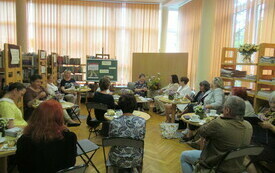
{"type": "Point", "coordinates": [46, 146]}
{"type": "Point", "coordinates": [241, 92]}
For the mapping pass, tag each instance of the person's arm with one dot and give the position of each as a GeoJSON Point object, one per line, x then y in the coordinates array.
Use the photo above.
{"type": "Point", "coordinates": [72, 150]}
{"type": "Point", "coordinates": [267, 125]}
{"type": "Point", "coordinates": [50, 90]}
{"type": "Point", "coordinates": [30, 99]}
{"type": "Point", "coordinates": [209, 130]}
{"type": "Point", "coordinates": [23, 156]}
{"type": "Point", "coordinates": [218, 100]}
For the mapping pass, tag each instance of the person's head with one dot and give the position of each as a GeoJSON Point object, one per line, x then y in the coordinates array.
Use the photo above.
{"type": "Point", "coordinates": [174, 79]}
{"type": "Point", "coordinates": [272, 101]}
{"type": "Point", "coordinates": [184, 81]}
{"type": "Point", "coordinates": [204, 86]}
{"type": "Point", "coordinates": [127, 103]}
{"type": "Point", "coordinates": [104, 83]}
{"type": "Point", "coordinates": [217, 82]}
{"type": "Point", "coordinates": [234, 107]}
{"type": "Point", "coordinates": [36, 81]}
{"type": "Point", "coordinates": [67, 74]}
{"type": "Point", "coordinates": [17, 90]}
{"type": "Point", "coordinates": [141, 77]}
{"type": "Point", "coordinates": [46, 122]}
{"type": "Point", "coordinates": [240, 92]}
{"type": "Point", "coordinates": [50, 78]}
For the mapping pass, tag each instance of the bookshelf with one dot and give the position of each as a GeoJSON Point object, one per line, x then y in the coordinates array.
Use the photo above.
{"type": "Point", "coordinates": [42, 66]}
{"type": "Point", "coordinates": [52, 66]}
{"type": "Point", "coordinates": [30, 66]}
{"type": "Point", "coordinates": [263, 83]}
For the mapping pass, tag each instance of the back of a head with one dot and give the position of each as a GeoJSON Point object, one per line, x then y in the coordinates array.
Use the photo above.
{"type": "Point", "coordinates": [218, 82]}
{"type": "Point", "coordinates": [240, 92]}
{"type": "Point", "coordinates": [46, 123]}
{"type": "Point", "coordinates": [185, 80]}
{"type": "Point", "coordinates": [127, 103]}
{"type": "Point", "coordinates": [104, 83]}
{"type": "Point", "coordinates": [175, 78]}
{"type": "Point", "coordinates": [236, 106]}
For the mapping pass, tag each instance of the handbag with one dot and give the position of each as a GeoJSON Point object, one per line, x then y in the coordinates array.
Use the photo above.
{"type": "Point", "coordinates": [168, 130]}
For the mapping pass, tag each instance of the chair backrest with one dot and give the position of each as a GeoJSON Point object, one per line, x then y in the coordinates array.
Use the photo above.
{"type": "Point", "coordinates": [74, 169]}
{"type": "Point", "coordinates": [93, 105]}
{"type": "Point", "coordinates": [131, 85]}
{"type": "Point", "coordinates": [250, 150]}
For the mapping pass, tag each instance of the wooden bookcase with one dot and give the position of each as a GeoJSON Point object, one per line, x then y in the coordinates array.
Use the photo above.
{"type": "Point", "coordinates": [264, 74]}
{"type": "Point", "coordinates": [52, 66]}
{"type": "Point", "coordinates": [42, 66]}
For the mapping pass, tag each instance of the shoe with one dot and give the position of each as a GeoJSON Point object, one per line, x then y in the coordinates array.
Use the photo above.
{"type": "Point", "coordinates": [73, 124]}
{"type": "Point", "coordinates": [186, 139]}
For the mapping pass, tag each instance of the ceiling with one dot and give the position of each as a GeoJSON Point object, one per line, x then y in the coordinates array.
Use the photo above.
{"type": "Point", "coordinates": [145, 1]}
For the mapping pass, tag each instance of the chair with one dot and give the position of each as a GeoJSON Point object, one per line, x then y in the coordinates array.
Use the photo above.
{"type": "Point", "coordinates": [73, 113]}
{"type": "Point", "coordinates": [251, 150]}
{"type": "Point", "coordinates": [125, 142]}
{"type": "Point", "coordinates": [131, 86]}
{"type": "Point", "coordinates": [74, 169]}
{"type": "Point", "coordinates": [86, 146]}
{"type": "Point", "coordinates": [93, 123]}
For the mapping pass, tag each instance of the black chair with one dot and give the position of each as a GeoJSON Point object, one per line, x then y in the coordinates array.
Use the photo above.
{"type": "Point", "coordinates": [124, 142]}
{"type": "Point", "coordinates": [72, 112]}
{"type": "Point", "coordinates": [74, 169]}
{"type": "Point", "coordinates": [93, 123]}
{"type": "Point", "coordinates": [86, 146]}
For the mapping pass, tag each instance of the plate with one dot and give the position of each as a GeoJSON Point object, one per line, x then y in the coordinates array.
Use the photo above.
{"type": "Point", "coordinates": [2, 139]}
{"type": "Point", "coordinates": [216, 115]}
{"type": "Point", "coordinates": [194, 121]}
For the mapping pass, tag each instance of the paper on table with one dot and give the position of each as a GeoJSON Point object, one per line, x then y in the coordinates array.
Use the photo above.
{"type": "Point", "coordinates": [14, 56]}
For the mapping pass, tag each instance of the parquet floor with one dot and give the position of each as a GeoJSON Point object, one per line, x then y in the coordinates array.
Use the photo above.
{"type": "Point", "coordinates": [161, 155]}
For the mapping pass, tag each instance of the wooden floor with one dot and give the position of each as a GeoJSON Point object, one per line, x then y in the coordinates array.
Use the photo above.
{"type": "Point", "coordinates": [161, 155]}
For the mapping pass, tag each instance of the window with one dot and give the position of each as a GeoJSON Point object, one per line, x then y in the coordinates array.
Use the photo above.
{"type": "Point", "coordinates": [172, 31]}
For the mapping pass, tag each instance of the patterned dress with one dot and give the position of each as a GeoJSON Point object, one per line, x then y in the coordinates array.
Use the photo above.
{"type": "Point", "coordinates": [139, 85]}
{"type": "Point", "coordinates": [127, 127]}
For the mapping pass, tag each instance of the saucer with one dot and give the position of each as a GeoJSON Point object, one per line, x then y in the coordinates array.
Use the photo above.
{"type": "Point", "coordinates": [195, 121]}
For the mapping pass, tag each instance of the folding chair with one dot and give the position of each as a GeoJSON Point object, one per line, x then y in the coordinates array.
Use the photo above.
{"type": "Point", "coordinates": [251, 150]}
{"type": "Point", "coordinates": [86, 146]}
{"type": "Point", "coordinates": [74, 169]}
{"type": "Point", "coordinates": [73, 113]}
{"type": "Point", "coordinates": [125, 142]}
{"type": "Point", "coordinates": [93, 123]}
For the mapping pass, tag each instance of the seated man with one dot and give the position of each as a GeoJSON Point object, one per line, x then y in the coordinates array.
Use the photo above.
{"type": "Point", "coordinates": [221, 135]}
{"type": "Point", "coordinates": [127, 126]}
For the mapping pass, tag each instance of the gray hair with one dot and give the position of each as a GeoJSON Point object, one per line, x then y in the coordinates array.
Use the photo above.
{"type": "Point", "coordinates": [272, 97]}
{"type": "Point", "coordinates": [236, 105]}
{"type": "Point", "coordinates": [218, 82]}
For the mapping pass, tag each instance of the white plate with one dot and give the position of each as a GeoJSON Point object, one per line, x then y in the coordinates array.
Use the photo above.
{"type": "Point", "coordinates": [209, 115]}
{"type": "Point", "coordinates": [194, 121]}
{"type": "Point", "coordinates": [2, 139]}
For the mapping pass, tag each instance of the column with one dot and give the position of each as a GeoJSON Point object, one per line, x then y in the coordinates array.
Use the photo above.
{"type": "Point", "coordinates": [163, 32]}
{"type": "Point", "coordinates": [206, 40]}
{"type": "Point", "coordinates": [21, 24]}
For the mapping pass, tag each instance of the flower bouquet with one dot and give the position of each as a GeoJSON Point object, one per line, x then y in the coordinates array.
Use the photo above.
{"type": "Point", "coordinates": [171, 95]}
{"type": "Point", "coordinates": [154, 82]}
{"type": "Point", "coordinates": [199, 111]}
{"type": "Point", "coordinates": [247, 50]}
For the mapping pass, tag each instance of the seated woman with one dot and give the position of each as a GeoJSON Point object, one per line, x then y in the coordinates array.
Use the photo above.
{"type": "Point", "coordinates": [34, 92]}
{"type": "Point", "coordinates": [141, 86]}
{"type": "Point", "coordinates": [171, 87]}
{"type": "Point", "coordinates": [127, 126]}
{"type": "Point", "coordinates": [241, 92]}
{"type": "Point", "coordinates": [46, 146]}
{"type": "Point", "coordinates": [215, 99]}
{"type": "Point", "coordinates": [104, 98]}
{"type": "Point", "coordinates": [8, 108]}
{"type": "Point", "coordinates": [66, 83]}
{"type": "Point", "coordinates": [183, 91]}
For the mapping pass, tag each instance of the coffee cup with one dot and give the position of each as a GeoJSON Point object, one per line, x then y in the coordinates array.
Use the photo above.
{"type": "Point", "coordinates": [195, 117]}
{"type": "Point", "coordinates": [213, 112]}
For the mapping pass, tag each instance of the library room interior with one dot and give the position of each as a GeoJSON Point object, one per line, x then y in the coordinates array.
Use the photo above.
{"type": "Point", "coordinates": [131, 86]}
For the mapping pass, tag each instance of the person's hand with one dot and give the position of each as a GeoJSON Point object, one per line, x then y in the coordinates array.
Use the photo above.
{"type": "Point", "coordinates": [41, 95]}
{"type": "Point", "coordinates": [188, 97]}
{"type": "Point", "coordinates": [266, 125]}
{"type": "Point", "coordinates": [207, 107]}
{"type": "Point", "coordinates": [262, 117]}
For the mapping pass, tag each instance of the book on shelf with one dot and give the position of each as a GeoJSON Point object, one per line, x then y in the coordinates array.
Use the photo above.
{"type": "Point", "coordinates": [267, 80]}
{"type": "Point", "coordinates": [30, 59]}
{"type": "Point", "coordinates": [232, 73]}
{"type": "Point", "coordinates": [75, 61]}
{"type": "Point", "coordinates": [264, 93]}
{"type": "Point", "coordinates": [267, 60]}
{"type": "Point", "coordinates": [63, 60]}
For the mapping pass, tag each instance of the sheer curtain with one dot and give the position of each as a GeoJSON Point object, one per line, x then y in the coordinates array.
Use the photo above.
{"type": "Point", "coordinates": [189, 35]}
{"type": "Point", "coordinates": [80, 28]}
{"type": "Point", "coordinates": [7, 22]}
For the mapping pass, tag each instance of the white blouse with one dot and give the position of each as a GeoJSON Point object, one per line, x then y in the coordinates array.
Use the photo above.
{"type": "Point", "coordinates": [51, 88]}
{"type": "Point", "coordinates": [183, 91]}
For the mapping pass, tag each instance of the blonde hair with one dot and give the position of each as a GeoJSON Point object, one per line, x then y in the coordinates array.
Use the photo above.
{"type": "Point", "coordinates": [218, 82]}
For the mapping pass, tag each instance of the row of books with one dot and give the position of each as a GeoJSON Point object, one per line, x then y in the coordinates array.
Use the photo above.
{"type": "Point", "coordinates": [232, 73]}
{"type": "Point", "coordinates": [61, 69]}
{"type": "Point", "coordinates": [30, 59]}
{"type": "Point", "coordinates": [67, 60]}
{"type": "Point", "coordinates": [267, 60]}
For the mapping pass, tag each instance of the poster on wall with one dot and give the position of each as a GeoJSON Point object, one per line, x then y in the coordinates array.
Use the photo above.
{"type": "Point", "coordinates": [93, 70]}
{"type": "Point", "coordinates": [15, 56]}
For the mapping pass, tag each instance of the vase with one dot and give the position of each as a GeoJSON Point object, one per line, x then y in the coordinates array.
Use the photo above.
{"type": "Point", "coordinates": [171, 97]}
{"type": "Point", "coordinates": [247, 59]}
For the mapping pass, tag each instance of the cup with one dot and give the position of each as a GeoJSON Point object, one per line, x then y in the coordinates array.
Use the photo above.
{"type": "Point", "coordinates": [213, 112]}
{"type": "Point", "coordinates": [195, 117]}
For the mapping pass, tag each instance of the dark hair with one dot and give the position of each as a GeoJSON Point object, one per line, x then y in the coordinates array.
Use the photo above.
{"type": "Point", "coordinates": [141, 75]}
{"type": "Point", "coordinates": [240, 92]}
{"type": "Point", "coordinates": [175, 78]}
{"type": "Point", "coordinates": [17, 85]}
{"type": "Point", "coordinates": [49, 75]}
{"type": "Point", "coordinates": [205, 84]}
{"type": "Point", "coordinates": [104, 83]}
{"type": "Point", "coordinates": [35, 77]}
{"type": "Point", "coordinates": [127, 103]}
{"type": "Point", "coordinates": [184, 79]}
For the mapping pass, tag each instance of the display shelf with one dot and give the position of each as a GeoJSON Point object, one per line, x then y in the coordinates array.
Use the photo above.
{"type": "Point", "coordinates": [239, 64]}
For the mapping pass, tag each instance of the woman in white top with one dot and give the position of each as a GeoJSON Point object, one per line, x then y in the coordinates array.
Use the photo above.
{"type": "Point", "coordinates": [171, 87]}
{"type": "Point", "coordinates": [183, 91]}
{"type": "Point", "coordinates": [51, 87]}
{"type": "Point", "coordinates": [241, 92]}
{"type": "Point", "coordinates": [215, 98]}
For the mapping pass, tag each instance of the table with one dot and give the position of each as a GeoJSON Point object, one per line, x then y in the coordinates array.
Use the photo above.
{"type": "Point", "coordinates": [136, 113]}
{"type": "Point", "coordinates": [79, 91]}
{"type": "Point", "coordinates": [65, 105]}
{"type": "Point", "coordinates": [139, 99]}
{"type": "Point", "coordinates": [4, 157]}
{"type": "Point", "coordinates": [174, 104]}
{"type": "Point", "coordinates": [202, 122]}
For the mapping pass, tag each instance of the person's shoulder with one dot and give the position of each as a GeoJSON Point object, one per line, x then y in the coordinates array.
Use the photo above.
{"type": "Point", "coordinates": [70, 135]}
{"type": "Point", "coordinates": [24, 139]}
{"type": "Point", "coordinates": [247, 124]}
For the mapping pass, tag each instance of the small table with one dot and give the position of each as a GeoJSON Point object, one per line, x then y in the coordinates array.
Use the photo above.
{"type": "Point", "coordinates": [139, 99]}
{"type": "Point", "coordinates": [200, 123]}
{"type": "Point", "coordinates": [174, 104]}
{"type": "Point", "coordinates": [79, 91]}
{"type": "Point", "coordinates": [136, 113]}
{"type": "Point", "coordinates": [4, 157]}
{"type": "Point", "coordinates": [65, 105]}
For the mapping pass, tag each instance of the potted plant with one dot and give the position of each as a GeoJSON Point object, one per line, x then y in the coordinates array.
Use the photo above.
{"type": "Point", "coordinates": [199, 111]}
{"type": "Point", "coordinates": [247, 50]}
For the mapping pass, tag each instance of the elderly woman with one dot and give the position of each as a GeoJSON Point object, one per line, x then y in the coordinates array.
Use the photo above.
{"type": "Point", "coordinates": [8, 108]}
{"type": "Point", "coordinates": [141, 86]}
{"type": "Point", "coordinates": [215, 98]}
{"type": "Point", "coordinates": [34, 92]}
{"type": "Point", "coordinates": [66, 83]}
{"type": "Point", "coordinates": [171, 87]}
{"type": "Point", "coordinates": [46, 146]}
{"type": "Point", "coordinates": [52, 89]}
{"type": "Point", "coordinates": [127, 126]}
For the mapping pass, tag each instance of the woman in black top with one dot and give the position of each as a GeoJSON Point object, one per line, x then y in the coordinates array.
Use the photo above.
{"type": "Point", "coordinates": [66, 84]}
{"type": "Point", "coordinates": [46, 146]}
